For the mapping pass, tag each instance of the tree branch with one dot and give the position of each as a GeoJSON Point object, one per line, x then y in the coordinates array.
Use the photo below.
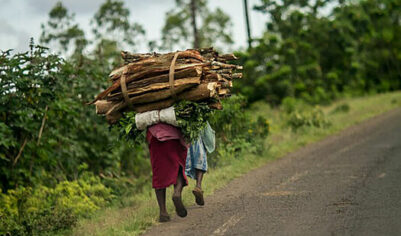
{"type": "Point", "coordinates": [43, 125]}
{"type": "Point", "coordinates": [20, 151]}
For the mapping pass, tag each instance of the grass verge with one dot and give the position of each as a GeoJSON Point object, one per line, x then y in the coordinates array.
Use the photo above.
{"type": "Point", "coordinates": [143, 212]}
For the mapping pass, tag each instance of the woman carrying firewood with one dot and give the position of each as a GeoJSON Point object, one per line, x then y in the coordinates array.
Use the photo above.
{"type": "Point", "coordinates": [191, 83]}
{"type": "Point", "coordinates": [196, 164]}
{"type": "Point", "coordinates": [168, 152]}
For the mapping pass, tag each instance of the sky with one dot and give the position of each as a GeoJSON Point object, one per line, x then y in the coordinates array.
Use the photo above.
{"type": "Point", "coordinates": [21, 19]}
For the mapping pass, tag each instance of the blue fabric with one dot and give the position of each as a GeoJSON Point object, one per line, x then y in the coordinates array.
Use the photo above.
{"type": "Point", "coordinates": [196, 156]}
{"type": "Point", "coordinates": [209, 138]}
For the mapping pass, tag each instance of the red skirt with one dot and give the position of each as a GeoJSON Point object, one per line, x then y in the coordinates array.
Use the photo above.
{"type": "Point", "coordinates": [166, 159]}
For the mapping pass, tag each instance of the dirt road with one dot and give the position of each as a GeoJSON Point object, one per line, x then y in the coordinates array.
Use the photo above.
{"type": "Point", "coordinates": [347, 184]}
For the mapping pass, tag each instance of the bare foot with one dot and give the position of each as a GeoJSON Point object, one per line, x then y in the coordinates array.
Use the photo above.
{"type": "Point", "coordinates": [164, 218]}
{"type": "Point", "coordinates": [179, 206]}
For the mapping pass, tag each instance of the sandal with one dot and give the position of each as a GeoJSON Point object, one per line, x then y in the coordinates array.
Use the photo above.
{"type": "Point", "coordinates": [198, 193]}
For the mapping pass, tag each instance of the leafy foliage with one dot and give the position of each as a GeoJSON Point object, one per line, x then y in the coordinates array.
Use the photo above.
{"type": "Point", "coordinates": [191, 118]}
{"type": "Point", "coordinates": [127, 129]}
{"type": "Point", "coordinates": [27, 211]}
{"type": "Point", "coordinates": [113, 31]}
{"type": "Point", "coordinates": [317, 56]}
{"type": "Point", "coordinates": [237, 132]}
{"type": "Point", "coordinates": [111, 22]}
{"type": "Point", "coordinates": [308, 118]}
{"type": "Point", "coordinates": [60, 31]}
{"type": "Point", "coordinates": [215, 29]}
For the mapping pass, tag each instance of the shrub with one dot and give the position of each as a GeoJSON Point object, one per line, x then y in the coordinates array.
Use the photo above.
{"type": "Point", "coordinates": [342, 108]}
{"type": "Point", "coordinates": [308, 118]}
{"type": "Point", "coordinates": [236, 131]}
{"type": "Point", "coordinates": [27, 211]}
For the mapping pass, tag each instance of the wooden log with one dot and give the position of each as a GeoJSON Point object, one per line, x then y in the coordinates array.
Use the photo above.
{"type": "Point", "coordinates": [227, 57]}
{"type": "Point", "coordinates": [154, 105]}
{"type": "Point", "coordinates": [237, 76]}
{"type": "Point", "coordinates": [228, 84]}
{"type": "Point", "coordinates": [114, 117]}
{"type": "Point", "coordinates": [144, 69]}
{"type": "Point", "coordinates": [223, 65]}
{"type": "Point", "coordinates": [161, 59]}
{"type": "Point", "coordinates": [199, 93]}
{"type": "Point", "coordinates": [102, 106]}
{"type": "Point", "coordinates": [153, 96]}
{"type": "Point", "coordinates": [213, 77]}
{"type": "Point", "coordinates": [216, 105]}
{"type": "Point", "coordinates": [226, 76]}
{"type": "Point", "coordinates": [136, 56]}
{"type": "Point", "coordinates": [223, 91]}
{"type": "Point", "coordinates": [141, 74]}
{"type": "Point", "coordinates": [185, 73]}
{"type": "Point", "coordinates": [190, 72]}
{"type": "Point", "coordinates": [165, 93]}
{"type": "Point", "coordinates": [222, 71]}
{"type": "Point", "coordinates": [154, 87]}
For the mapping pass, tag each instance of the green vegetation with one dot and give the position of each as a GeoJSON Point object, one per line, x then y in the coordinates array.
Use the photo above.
{"type": "Point", "coordinates": [318, 56]}
{"type": "Point", "coordinates": [191, 117]}
{"type": "Point", "coordinates": [60, 163]}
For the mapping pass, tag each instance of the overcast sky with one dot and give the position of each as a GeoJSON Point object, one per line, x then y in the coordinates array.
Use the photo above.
{"type": "Point", "coordinates": [21, 19]}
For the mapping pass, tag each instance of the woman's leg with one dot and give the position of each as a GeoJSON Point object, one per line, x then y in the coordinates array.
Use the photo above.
{"type": "Point", "coordinates": [199, 177]}
{"type": "Point", "coordinates": [198, 193]}
{"type": "Point", "coordinates": [179, 206]}
{"type": "Point", "coordinates": [161, 200]}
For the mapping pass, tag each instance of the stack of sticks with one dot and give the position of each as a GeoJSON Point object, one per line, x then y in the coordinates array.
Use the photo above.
{"type": "Point", "coordinates": [155, 81]}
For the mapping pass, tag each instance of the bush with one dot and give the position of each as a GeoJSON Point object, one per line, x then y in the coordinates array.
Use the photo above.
{"type": "Point", "coordinates": [236, 131]}
{"type": "Point", "coordinates": [27, 211]}
{"type": "Point", "coordinates": [307, 118]}
{"type": "Point", "coordinates": [342, 108]}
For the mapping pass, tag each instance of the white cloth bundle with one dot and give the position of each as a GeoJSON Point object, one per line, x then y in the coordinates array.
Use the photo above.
{"type": "Point", "coordinates": [167, 115]}
{"type": "Point", "coordinates": [145, 119]}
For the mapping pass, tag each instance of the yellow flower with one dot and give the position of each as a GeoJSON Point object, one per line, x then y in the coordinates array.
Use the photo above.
{"type": "Point", "coordinates": [250, 131]}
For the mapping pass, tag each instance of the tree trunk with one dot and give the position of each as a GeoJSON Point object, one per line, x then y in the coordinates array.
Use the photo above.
{"type": "Point", "coordinates": [248, 27]}
{"type": "Point", "coordinates": [194, 26]}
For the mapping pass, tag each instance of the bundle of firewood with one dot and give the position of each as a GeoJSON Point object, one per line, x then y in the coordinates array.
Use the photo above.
{"type": "Point", "coordinates": [155, 81]}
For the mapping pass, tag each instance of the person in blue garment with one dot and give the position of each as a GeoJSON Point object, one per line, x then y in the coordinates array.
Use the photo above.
{"type": "Point", "coordinates": [196, 163]}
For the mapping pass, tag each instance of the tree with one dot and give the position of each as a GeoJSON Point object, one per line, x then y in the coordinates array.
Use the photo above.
{"type": "Point", "coordinates": [60, 32]}
{"type": "Point", "coordinates": [181, 28]}
{"type": "Point", "coordinates": [248, 27]}
{"type": "Point", "coordinates": [319, 57]}
{"type": "Point", "coordinates": [113, 30]}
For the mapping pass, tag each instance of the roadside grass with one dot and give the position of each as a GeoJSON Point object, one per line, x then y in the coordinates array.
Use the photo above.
{"type": "Point", "coordinates": [143, 213]}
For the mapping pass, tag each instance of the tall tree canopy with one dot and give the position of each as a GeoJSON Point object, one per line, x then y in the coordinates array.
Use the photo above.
{"type": "Point", "coordinates": [113, 30]}
{"type": "Point", "coordinates": [182, 26]}
{"type": "Point", "coordinates": [61, 33]}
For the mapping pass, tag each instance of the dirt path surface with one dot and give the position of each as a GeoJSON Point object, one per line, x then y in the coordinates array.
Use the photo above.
{"type": "Point", "coordinates": [347, 184]}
